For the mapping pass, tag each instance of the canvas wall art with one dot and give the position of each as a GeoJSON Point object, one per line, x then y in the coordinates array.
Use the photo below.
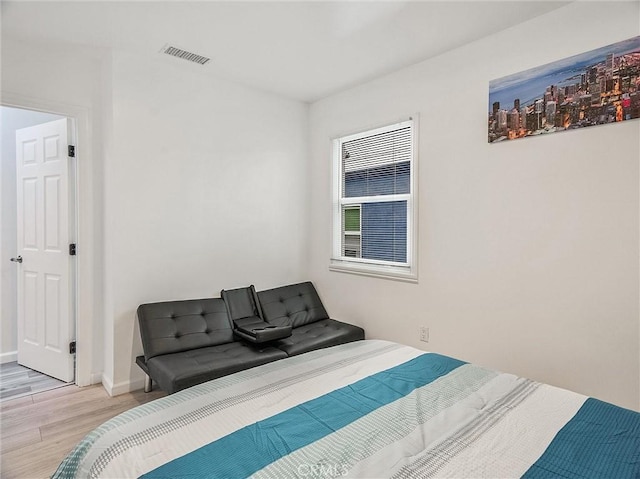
{"type": "Point", "coordinates": [594, 88]}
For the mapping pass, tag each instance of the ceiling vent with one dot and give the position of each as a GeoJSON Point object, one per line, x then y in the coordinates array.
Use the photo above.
{"type": "Point", "coordinates": [185, 55]}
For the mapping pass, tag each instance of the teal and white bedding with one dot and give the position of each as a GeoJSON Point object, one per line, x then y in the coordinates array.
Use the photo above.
{"type": "Point", "coordinates": [367, 409]}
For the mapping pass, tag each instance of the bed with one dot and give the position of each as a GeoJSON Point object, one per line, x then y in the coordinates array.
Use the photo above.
{"type": "Point", "coordinates": [364, 409]}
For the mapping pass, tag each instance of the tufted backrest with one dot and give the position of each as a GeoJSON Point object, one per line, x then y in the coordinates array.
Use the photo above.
{"type": "Point", "coordinates": [293, 305]}
{"type": "Point", "coordinates": [175, 326]}
{"type": "Point", "coordinates": [241, 302]}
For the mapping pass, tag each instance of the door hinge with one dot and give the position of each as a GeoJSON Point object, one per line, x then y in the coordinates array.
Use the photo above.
{"type": "Point", "coordinates": [72, 151]}
{"type": "Point", "coordinates": [72, 249]}
{"type": "Point", "coordinates": [72, 347]}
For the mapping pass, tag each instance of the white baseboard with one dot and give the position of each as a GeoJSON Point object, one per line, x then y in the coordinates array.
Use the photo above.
{"type": "Point", "coordinates": [8, 357]}
{"type": "Point", "coordinates": [121, 387]}
{"type": "Point", "coordinates": [107, 383]}
{"type": "Point", "coordinates": [95, 378]}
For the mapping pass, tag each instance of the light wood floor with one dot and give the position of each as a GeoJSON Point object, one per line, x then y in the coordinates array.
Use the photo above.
{"type": "Point", "coordinates": [39, 430]}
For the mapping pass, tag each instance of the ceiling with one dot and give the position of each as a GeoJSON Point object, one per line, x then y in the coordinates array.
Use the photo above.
{"type": "Point", "coordinates": [300, 50]}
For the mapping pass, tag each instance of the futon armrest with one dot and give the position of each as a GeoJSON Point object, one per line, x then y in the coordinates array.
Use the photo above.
{"type": "Point", "coordinates": [256, 331]}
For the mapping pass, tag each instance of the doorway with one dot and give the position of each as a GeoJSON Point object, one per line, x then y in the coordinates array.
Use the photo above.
{"type": "Point", "coordinates": [18, 119]}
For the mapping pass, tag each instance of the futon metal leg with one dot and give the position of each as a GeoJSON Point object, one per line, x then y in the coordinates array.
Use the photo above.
{"type": "Point", "coordinates": [148, 384]}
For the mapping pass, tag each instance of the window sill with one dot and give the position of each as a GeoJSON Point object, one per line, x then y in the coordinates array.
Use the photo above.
{"type": "Point", "coordinates": [395, 273]}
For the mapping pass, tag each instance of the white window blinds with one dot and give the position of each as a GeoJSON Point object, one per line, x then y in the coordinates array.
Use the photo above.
{"type": "Point", "coordinates": [373, 214]}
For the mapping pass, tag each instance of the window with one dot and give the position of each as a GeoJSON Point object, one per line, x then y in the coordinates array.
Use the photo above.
{"type": "Point", "coordinates": [352, 244]}
{"type": "Point", "coordinates": [374, 194]}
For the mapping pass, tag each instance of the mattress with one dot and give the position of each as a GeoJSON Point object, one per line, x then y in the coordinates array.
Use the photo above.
{"type": "Point", "coordinates": [366, 409]}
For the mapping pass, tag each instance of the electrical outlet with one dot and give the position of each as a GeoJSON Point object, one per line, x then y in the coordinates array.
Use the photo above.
{"type": "Point", "coordinates": [424, 334]}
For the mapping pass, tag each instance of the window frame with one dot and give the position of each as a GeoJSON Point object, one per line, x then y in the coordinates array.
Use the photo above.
{"type": "Point", "coordinates": [407, 271]}
{"type": "Point", "coordinates": [357, 233]}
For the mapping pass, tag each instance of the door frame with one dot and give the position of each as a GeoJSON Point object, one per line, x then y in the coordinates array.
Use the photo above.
{"type": "Point", "coordinates": [83, 289]}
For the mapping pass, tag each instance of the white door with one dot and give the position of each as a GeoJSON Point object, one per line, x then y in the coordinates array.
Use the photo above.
{"type": "Point", "coordinates": [46, 323]}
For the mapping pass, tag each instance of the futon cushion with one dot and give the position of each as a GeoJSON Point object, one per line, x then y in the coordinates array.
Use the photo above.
{"type": "Point", "coordinates": [174, 326]}
{"type": "Point", "coordinates": [294, 305]}
{"type": "Point", "coordinates": [174, 372]}
{"type": "Point", "coordinates": [319, 334]}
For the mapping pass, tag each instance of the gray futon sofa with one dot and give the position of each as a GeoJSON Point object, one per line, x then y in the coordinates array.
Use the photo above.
{"type": "Point", "coordinates": [192, 341]}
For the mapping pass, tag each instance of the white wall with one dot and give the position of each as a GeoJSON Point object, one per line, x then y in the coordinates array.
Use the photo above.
{"type": "Point", "coordinates": [11, 119]}
{"type": "Point", "coordinates": [205, 188]}
{"type": "Point", "coordinates": [188, 185]}
{"type": "Point", "coordinates": [528, 250]}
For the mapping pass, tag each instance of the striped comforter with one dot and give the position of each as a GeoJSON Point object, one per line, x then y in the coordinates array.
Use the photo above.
{"type": "Point", "coordinates": [365, 409]}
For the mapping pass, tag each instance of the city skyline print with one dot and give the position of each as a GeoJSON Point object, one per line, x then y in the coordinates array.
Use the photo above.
{"type": "Point", "coordinates": [593, 88]}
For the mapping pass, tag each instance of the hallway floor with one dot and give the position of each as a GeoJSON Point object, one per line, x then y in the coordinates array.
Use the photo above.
{"type": "Point", "coordinates": [17, 381]}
